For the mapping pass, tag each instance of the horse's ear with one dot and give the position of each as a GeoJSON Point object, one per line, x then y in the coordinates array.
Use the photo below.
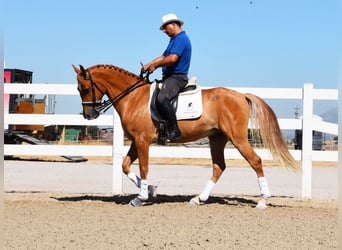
{"type": "Point", "coordinates": [82, 68]}
{"type": "Point", "coordinates": [83, 71]}
{"type": "Point", "coordinates": [76, 69]}
{"type": "Point", "coordinates": [80, 71]}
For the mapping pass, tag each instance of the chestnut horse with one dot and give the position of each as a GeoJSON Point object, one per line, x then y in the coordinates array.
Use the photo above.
{"type": "Point", "coordinates": [225, 118]}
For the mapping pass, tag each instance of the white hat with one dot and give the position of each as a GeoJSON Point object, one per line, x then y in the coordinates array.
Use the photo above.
{"type": "Point", "coordinates": [168, 18]}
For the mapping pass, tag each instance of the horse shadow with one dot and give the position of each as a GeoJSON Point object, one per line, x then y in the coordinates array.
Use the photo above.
{"type": "Point", "coordinates": [251, 201]}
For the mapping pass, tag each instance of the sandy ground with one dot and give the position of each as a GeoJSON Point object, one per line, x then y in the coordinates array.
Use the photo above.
{"type": "Point", "coordinates": [69, 206]}
{"type": "Point", "coordinates": [66, 221]}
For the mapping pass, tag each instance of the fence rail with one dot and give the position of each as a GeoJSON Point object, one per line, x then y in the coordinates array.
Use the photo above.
{"type": "Point", "coordinates": [307, 94]}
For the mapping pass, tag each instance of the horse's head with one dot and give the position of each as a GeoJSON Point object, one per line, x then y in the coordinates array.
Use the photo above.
{"type": "Point", "coordinates": [90, 94]}
{"type": "Point", "coordinates": [104, 79]}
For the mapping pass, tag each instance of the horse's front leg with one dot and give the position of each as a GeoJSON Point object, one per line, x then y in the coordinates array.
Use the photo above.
{"type": "Point", "coordinates": [141, 152]}
{"type": "Point", "coordinates": [131, 156]}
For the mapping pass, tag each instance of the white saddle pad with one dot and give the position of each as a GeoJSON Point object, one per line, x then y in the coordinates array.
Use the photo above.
{"type": "Point", "coordinates": [189, 104]}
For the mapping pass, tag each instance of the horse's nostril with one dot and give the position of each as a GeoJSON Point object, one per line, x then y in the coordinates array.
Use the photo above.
{"type": "Point", "coordinates": [91, 114]}
{"type": "Point", "coordinates": [86, 116]}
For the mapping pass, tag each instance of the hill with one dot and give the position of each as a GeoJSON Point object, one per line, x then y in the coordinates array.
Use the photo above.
{"type": "Point", "coordinates": [330, 115]}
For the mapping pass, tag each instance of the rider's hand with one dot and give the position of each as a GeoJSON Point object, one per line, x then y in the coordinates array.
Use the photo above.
{"type": "Point", "coordinates": [149, 67]}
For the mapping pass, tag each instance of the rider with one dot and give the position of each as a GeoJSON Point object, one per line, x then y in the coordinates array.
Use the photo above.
{"type": "Point", "coordinates": [175, 63]}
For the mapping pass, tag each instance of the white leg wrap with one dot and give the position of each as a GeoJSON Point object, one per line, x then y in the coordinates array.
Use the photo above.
{"type": "Point", "coordinates": [143, 195]}
{"type": "Point", "coordinates": [135, 179]}
{"type": "Point", "coordinates": [265, 192]}
{"type": "Point", "coordinates": [207, 190]}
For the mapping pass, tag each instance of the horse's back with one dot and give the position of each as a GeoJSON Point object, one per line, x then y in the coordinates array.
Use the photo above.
{"type": "Point", "coordinates": [224, 99]}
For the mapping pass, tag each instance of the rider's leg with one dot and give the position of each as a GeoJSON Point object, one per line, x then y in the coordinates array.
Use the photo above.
{"type": "Point", "coordinates": [170, 89]}
{"type": "Point", "coordinates": [171, 120]}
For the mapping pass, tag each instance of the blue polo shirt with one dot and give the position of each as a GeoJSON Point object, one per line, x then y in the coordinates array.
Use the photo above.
{"type": "Point", "coordinates": [181, 46]}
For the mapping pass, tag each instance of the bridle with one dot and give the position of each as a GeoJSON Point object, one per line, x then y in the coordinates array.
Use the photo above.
{"type": "Point", "coordinates": [94, 103]}
{"type": "Point", "coordinates": [105, 105]}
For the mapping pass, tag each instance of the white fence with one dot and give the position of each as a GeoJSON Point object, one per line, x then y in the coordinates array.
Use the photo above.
{"type": "Point", "coordinates": [307, 94]}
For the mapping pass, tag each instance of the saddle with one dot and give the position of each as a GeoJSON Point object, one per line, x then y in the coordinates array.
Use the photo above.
{"type": "Point", "coordinates": [187, 105]}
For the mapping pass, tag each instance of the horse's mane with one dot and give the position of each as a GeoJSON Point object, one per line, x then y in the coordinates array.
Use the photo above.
{"type": "Point", "coordinates": [115, 68]}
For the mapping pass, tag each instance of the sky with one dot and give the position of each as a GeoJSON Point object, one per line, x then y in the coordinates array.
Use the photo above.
{"type": "Point", "coordinates": [235, 43]}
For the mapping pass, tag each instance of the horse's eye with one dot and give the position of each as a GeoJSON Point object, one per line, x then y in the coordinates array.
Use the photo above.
{"type": "Point", "coordinates": [85, 91]}
{"type": "Point", "coordinates": [82, 90]}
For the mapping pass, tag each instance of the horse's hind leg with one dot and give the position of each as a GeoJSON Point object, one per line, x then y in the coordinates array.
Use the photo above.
{"type": "Point", "coordinates": [217, 145]}
{"type": "Point", "coordinates": [255, 161]}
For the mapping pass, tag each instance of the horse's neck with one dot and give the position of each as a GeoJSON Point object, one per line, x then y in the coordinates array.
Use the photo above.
{"type": "Point", "coordinates": [116, 81]}
{"type": "Point", "coordinates": [132, 100]}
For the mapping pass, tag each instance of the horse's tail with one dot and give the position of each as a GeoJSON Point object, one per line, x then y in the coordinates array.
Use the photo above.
{"type": "Point", "coordinates": [267, 124]}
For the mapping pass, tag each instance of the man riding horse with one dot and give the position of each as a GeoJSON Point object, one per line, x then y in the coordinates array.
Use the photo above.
{"type": "Point", "coordinates": [175, 63]}
{"type": "Point", "coordinates": [225, 116]}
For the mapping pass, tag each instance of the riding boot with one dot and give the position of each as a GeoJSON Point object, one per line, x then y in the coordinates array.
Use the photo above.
{"type": "Point", "coordinates": [168, 113]}
{"type": "Point", "coordinates": [174, 132]}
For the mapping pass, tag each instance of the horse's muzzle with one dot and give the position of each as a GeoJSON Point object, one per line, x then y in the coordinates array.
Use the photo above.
{"type": "Point", "coordinates": [91, 114]}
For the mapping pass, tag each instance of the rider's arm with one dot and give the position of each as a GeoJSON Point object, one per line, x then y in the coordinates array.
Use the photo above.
{"type": "Point", "coordinates": [160, 62]}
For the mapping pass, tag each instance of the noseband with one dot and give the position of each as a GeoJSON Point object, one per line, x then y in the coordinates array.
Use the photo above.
{"type": "Point", "coordinates": [105, 105]}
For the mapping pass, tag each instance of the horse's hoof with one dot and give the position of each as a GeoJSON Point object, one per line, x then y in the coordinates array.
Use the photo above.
{"type": "Point", "coordinates": [152, 191]}
{"type": "Point", "coordinates": [195, 201]}
{"type": "Point", "coordinates": [261, 204]}
{"type": "Point", "coordinates": [136, 202]}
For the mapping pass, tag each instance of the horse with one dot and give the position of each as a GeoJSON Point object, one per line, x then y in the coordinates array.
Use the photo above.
{"type": "Point", "coordinates": [224, 118]}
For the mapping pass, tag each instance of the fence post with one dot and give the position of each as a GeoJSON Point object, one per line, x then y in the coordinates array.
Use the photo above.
{"type": "Point", "coordinates": [118, 149]}
{"type": "Point", "coordinates": [307, 140]}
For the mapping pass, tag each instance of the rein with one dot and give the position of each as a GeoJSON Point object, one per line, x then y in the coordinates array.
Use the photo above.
{"type": "Point", "coordinates": [105, 105]}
